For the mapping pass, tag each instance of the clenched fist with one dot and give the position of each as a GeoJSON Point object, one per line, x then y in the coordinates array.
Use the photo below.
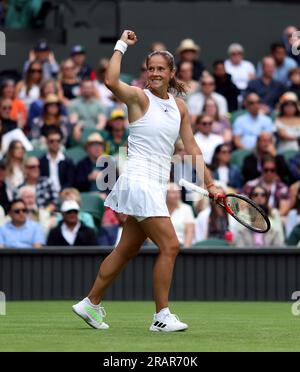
{"type": "Point", "coordinates": [129, 37]}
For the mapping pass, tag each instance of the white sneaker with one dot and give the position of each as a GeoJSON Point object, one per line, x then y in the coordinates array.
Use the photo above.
{"type": "Point", "coordinates": [167, 323]}
{"type": "Point", "coordinates": [93, 316]}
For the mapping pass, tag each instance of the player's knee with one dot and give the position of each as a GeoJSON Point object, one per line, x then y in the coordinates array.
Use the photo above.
{"type": "Point", "coordinates": [172, 248]}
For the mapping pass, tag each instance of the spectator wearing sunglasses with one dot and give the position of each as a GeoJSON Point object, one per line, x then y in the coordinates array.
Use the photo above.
{"type": "Point", "coordinates": [223, 170]}
{"type": "Point", "coordinates": [204, 137]}
{"type": "Point", "coordinates": [279, 195]}
{"type": "Point", "coordinates": [71, 232]}
{"type": "Point", "coordinates": [28, 90]}
{"type": "Point", "coordinates": [248, 126]}
{"type": "Point", "coordinates": [20, 232]}
{"type": "Point", "coordinates": [43, 53]}
{"type": "Point", "coordinates": [274, 237]}
{"type": "Point", "coordinates": [252, 167]}
{"type": "Point", "coordinates": [55, 164]}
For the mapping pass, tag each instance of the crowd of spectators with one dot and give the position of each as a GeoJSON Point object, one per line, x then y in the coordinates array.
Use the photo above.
{"type": "Point", "coordinates": [61, 129]}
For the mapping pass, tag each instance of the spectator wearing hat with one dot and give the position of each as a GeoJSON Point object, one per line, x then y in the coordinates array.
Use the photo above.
{"type": "Point", "coordinates": [71, 231]}
{"type": "Point", "coordinates": [87, 171]}
{"type": "Point", "coordinates": [197, 100]}
{"type": "Point", "coordinates": [42, 53]}
{"type": "Point", "coordinates": [268, 89]}
{"type": "Point", "coordinates": [51, 118]}
{"type": "Point", "coordinates": [4, 198]}
{"type": "Point", "coordinates": [28, 89]}
{"type": "Point", "coordinates": [18, 111]}
{"type": "Point", "coordinates": [118, 133]}
{"type": "Point", "coordinates": [252, 165]}
{"type": "Point", "coordinates": [288, 123]}
{"type": "Point", "coordinates": [294, 81]}
{"type": "Point", "coordinates": [188, 51]}
{"type": "Point", "coordinates": [83, 70]}
{"type": "Point", "coordinates": [241, 70]}
{"type": "Point", "coordinates": [283, 63]}
{"type": "Point", "coordinates": [225, 86]}
{"type": "Point", "coordinates": [21, 232]}
{"type": "Point", "coordinates": [248, 126]}
{"type": "Point", "coordinates": [86, 110]}
{"type": "Point", "coordinates": [36, 107]}
{"type": "Point", "coordinates": [55, 164]}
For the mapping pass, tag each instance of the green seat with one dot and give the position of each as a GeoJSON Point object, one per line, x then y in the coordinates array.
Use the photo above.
{"type": "Point", "coordinates": [238, 156]}
{"type": "Point", "coordinates": [288, 154]}
{"type": "Point", "coordinates": [76, 153]}
{"type": "Point", "coordinates": [236, 114]}
{"type": "Point", "coordinates": [214, 242]}
{"type": "Point", "coordinates": [36, 153]}
{"type": "Point", "coordinates": [93, 204]}
{"type": "Point", "coordinates": [126, 78]}
{"type": "Point", "coordinates": [86, 132]}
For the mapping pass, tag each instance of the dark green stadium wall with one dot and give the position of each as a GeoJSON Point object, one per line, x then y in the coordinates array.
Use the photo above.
{"type": "Point", "coordinates": [213, 25]}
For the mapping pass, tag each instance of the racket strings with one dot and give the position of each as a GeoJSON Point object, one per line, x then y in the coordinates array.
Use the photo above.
{"type": "Point", "coordinates": [247, 213]}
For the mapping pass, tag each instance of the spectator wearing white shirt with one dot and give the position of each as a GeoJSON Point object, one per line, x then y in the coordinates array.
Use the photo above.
{"type": "Point", "coordinates": [71, 232]}
{"type": "Point", "coordinates": [206, 140]}
{"type": "Point", "coordinates": [197, 100]}
{"type": "Point", "coordinates": [182, 216]}
{"type": "Point", "coordinates": [241, 71]}
{"type": "Point", "coordinates": [55, 164]}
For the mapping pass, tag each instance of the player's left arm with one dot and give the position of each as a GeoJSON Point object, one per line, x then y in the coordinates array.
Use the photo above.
{"type": "Point", "coordinates": [193, 149]}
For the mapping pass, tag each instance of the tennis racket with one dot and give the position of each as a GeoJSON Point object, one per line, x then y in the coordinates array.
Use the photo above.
{"type": "Point", "coordinates": [243, 209]}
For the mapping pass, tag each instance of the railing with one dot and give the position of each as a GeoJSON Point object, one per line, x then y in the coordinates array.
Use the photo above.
{"type": "Point", "coordinates": [214, 274]}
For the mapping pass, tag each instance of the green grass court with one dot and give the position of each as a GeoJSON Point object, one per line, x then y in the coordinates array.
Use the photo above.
{"type": "Point", "coordinates": [214, 326]}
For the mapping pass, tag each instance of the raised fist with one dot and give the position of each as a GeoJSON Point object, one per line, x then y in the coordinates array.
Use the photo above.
{"type": "Point", "coordinates": [129, 37]}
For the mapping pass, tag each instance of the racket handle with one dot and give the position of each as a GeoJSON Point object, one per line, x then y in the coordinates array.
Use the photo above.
{"type": "Point", "coordinates": [191, 186]}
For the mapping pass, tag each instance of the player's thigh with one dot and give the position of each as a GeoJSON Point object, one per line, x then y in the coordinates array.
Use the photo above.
{"type": "Point", "coordinates": [161, 231]}
{"type": "Point", "coordinates": [132, 237]}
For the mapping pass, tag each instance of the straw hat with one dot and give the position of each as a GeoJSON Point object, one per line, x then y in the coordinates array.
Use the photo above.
{"type": "Point", "coordinates": [288, 97]}
{"type": "Point", "coordinates": [94, 138]}
{"type": "Point", "coordinates": [187, 44]}
{"type": "Point", "coordinates": [51, 98]}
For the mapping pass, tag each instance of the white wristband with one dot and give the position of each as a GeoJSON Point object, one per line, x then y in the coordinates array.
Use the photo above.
{"type": "Point", "coordinates": [121, 46]}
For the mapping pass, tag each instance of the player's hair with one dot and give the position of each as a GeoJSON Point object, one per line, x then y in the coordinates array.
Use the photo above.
{"type": "Point", "coordinates": [175, 86]}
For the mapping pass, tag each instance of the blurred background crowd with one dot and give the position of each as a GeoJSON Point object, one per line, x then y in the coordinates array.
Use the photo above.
{"type": "Point", "coordinates": [58, 118]}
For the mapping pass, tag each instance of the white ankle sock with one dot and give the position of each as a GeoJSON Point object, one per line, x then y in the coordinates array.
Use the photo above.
{"type": "Point", "coordinates": [163, 312]}
{"type": "Point", "coordinates": [88, 302]}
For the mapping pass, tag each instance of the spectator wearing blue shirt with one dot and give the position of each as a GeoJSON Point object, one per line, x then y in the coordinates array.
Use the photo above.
{"type": "Point", "coordinates": [248, 126]}
{"type": "Point", "coordinates": [268, 89]}
{"type": "Point", "coordinates": [283, 63]}
{"type": "Point", "coordinates": [20, 232]}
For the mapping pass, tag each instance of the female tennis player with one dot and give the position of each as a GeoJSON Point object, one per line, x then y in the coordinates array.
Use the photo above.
{"type": "Point", "coordinates": [156, 119]}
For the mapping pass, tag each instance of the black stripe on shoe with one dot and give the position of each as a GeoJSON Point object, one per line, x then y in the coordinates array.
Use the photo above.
{"type": "Point", "coordinates": [156, 323]}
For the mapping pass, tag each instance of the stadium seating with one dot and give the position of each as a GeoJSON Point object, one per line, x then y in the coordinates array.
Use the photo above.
{"type": "Point", "coordinates": [94, 205]}
{"type": "Point", "coordinates": [238, 156]}
{"type": "Point", "coordinates": [76, 153]}
{"type": "Point", "coordinates": [211, 243]}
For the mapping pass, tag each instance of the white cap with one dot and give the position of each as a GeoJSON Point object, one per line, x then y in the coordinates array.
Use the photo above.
{"type": "Point", "coordinates": [69, 205]}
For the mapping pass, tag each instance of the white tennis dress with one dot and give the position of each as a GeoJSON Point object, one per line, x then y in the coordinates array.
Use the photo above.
{"type": "Point", "coordinates": [142, 187]}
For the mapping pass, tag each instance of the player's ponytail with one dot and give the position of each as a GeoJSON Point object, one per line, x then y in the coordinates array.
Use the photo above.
{"type": "Point", "coordinates": [175, 86]}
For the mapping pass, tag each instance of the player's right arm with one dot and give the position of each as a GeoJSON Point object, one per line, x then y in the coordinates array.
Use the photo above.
{"type": "Point", "coordinates": [126, 93]}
